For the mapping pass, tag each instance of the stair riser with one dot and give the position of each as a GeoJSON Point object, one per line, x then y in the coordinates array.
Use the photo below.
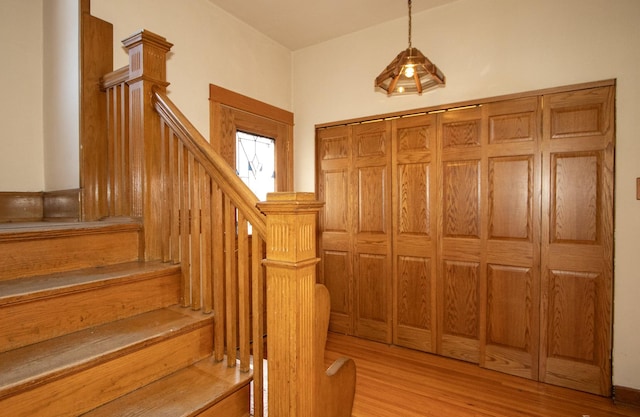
{"type": "Point", "coordinates": [76, 393]}
{"type": "Point", "coordinates": [40, 319]}
{"type": "Point", "coordinates": [59, 253]}
{"type": "Point", "coordinates": [235, 405]}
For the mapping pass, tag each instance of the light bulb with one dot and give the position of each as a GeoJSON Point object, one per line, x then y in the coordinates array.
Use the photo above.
{"type": "Point", "coordinates": [409, 71]}
{"type": "Point", "coordinates": [401, 89]}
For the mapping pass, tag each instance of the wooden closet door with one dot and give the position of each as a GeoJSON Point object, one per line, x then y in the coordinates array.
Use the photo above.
{"type": "Point", "coordinates": [414, 232]}
{"type": "Point", "coordinates": [577, 239]}
{"type": "Point", "coordinates": [509, 336]}
{"type": "Point", "coordinates": [371, 184]}
{"type": "Point", "coordinates": [334, 188]}
{"type": "Point", "coordinates": [461, 266]}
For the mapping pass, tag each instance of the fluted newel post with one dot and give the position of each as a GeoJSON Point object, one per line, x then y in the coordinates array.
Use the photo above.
{"type": "Point", "coordinates": [291, 278]}
{"type": "Point", "coordinates": [147, 70]}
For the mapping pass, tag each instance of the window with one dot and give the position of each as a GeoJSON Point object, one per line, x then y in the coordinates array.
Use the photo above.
{"type": "Point", "coordinates": [255, 163]}
{"type": "Point", "coordinates": [233, 116]}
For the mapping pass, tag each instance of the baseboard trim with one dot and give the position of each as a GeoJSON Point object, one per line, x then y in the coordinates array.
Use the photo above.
{"type": "Point", "coordinates": [25, 206]}
{"type": "Point", "coordinates": [21, 206]}
{"type": "Point", "coordinates": [626, 396]}
{"type": "Point", "coordinates": [63, 205]}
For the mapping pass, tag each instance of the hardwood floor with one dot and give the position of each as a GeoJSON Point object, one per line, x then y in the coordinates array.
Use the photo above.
{"type": "Point", "coordinates": [398, 382]}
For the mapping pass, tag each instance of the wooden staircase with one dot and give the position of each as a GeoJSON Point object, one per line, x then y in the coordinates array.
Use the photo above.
{"type": "Point", "coordinates": [87, 329]}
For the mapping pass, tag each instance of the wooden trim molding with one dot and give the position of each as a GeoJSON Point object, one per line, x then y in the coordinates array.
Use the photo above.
{"type": "Point", "coordinates": [470, 103]}
{"type": "Point", "coordinates": [231, 112]}
{"type": "Point", "coordinates": [63, 205]}
{"type": "Point", "coordinates": [238, 101]}
{"type": "Point", "coordinates": [626, 396]}
{"type": "Point", "coordinates": [21, 207]}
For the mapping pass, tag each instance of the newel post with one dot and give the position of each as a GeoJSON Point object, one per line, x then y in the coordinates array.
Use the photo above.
{"type": "Point", "coordinates": [147, 70]}
{"type": "Point", "coordinates": [291, 278]}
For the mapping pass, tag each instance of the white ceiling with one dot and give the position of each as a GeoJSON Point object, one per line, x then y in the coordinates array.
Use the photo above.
{"type": "Point", "coordinates": [300, 23]}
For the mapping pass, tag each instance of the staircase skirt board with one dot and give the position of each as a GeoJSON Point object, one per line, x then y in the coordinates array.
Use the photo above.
{"type": "Point", "coordinates": [44, 307]}
{"type": "Point", "coordinates": [32, 248]}
{"type": "Point", "coordinates": [73, 374]}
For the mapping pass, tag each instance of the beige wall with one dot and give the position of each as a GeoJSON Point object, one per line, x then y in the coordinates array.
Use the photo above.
{"type": "Point", "coordinates": [21, 148]}
{"type": "Point", "coordinates": [210, 46]}
{"type": "Point", "coordinates": [61, 98]}
{"type": "Point", "coordinates": [488, 48]}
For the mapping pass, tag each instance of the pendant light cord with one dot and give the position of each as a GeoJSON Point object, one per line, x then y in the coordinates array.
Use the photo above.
{"type": "Point", "coordinates": [409, 24]}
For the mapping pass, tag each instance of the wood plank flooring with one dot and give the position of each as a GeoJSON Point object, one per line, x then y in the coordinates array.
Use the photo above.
{"type": "Point", "coordinates": [397, 382]}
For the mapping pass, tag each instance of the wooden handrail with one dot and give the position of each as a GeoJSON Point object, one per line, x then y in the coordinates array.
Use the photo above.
{"type": "Point", "coordinates": [226, 178]}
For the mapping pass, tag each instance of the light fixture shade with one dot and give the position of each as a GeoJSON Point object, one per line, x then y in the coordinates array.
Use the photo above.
{"type": "Point", "coordinates": [394, 79]}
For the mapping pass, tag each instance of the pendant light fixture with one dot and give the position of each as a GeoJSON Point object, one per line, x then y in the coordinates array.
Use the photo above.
{"type": "Point", "coordinates": [409, 72]}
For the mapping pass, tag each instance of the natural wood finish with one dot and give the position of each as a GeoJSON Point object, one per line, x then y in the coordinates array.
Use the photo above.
{"type": "Point", "coordinates": [21, 207]}
{"type": "Point", "coordinates": [177, 181]}
{"type": "Point", "coordinates": [214, 165]}
{"type": "Point", "coordinates": [210, 208]}
{"type": "Point", "coordinates": [118, 152]}
{"type": "Point", "coordinates": [96, 59]}
{"type": "Point", "coordinates": [469, 187]}
{"type": "Point", "coordinates": [35, 248]}
{"type": "Point", "coordinates": [371, 184]}
{"type": "Point", "coordinates": [355, 184]}
{"type": "Point", "coordinates": [626, 396]}
{"type": "Point", "coordinates": [87, 297]}
{"type": "Point", "coordinates": [298, 314]}
{"type": "Point", "coordinates": [62, 205]}
{"type": "Point", "coordinates": [334, 188]}
{"type": "Point", "coordinates": [577, 239]}
{"type": "Point", "coordinates": [414, 181]}
{"type": "Point", "coordinates": [337, 385]}
{"type": "Point", "coordinates": [206, 388]}
{"type": "Point", "coordinates": [468, 103]}
{"type": "Point", "coordinates": [147, 70]}
{"type": "Point", "coordinates": [394, 381]}
{"type": "Point", "coordinates": [231, 112]}
{"type": "Point", "coordinates": [97, 365]}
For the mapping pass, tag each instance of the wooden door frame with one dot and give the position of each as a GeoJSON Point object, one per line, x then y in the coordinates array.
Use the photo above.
{"type": "Point", "coordinates": [231, 111]}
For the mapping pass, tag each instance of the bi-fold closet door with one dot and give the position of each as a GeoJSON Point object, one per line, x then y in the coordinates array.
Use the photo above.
{"type": "Point", "coordinates": [482, 233]}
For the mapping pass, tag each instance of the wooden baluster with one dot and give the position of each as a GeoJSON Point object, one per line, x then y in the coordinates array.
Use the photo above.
{"type": "Point", "coordinates": [174, 177]}
{"type": "Point", "coordinates": [166, 137]}
{"type": "Point", "coordinates": [257, 301]}
{"type": "Point", "coordinates": [183, 167]}
{"type": "Point", "coordinates": [207, 275]}
{"type": "Point", "coordinates": [112, 150]}
{"type": "Point", "coordinates": [231, 287]}
{"type": "Point", "coordinates": [244, 327]}
{"type": "Point", "coordinates": [217, 237]}
{"type": "Point", "coordinates": [194, 186]}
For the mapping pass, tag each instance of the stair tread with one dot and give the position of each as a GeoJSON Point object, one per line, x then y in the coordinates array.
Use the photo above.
{"type": "Point", "coordinates": [183, 393]}
{"type": "Point", "coordinates": [34, 364]}
{"type": "Point", "coordinates": [28, 288]}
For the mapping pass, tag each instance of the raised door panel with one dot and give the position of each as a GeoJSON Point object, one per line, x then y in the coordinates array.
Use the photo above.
{"type": "Point", "coordinates": [371, 181]}
{"type": "Point", "coordinates": [577, 240]}
{"type": "Point", "coordinates": [460, 269]}
{"type": "Point", "coordinates": [510, 333]}
{"type": "Point", "coordinates": [414, 231]}
{"type": "Point", "coordinates": [335, 240]}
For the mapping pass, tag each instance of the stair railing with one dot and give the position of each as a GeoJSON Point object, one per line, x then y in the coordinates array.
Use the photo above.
{"type": "Point", "coordinates": [197, 212]}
